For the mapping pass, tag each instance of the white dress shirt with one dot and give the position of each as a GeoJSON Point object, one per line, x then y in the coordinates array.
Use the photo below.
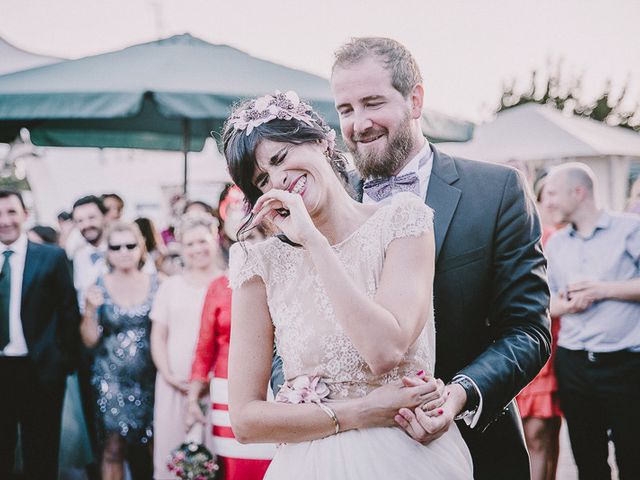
{"type": "Point", "coordinates": [86, 271]}
{"type": "Point", "coordinates": [17, 346]}
{"type": "Point", "coordinates": [422, 165]}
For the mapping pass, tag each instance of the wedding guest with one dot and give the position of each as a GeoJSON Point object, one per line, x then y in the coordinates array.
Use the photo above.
{"type": "Point", "coordinates": [43, 234]}
{"type": "Point", "coordinates": [198, 206]}
{"type": "Point", "coordinates": [89, 217]}
{"type": "Point", "coordinates": [176, 320]}
{"type": "Point", "coordinates": [114, 205]}
{"type": "Point", "coordinates": [39, 321]}
{"type": "Point", "coordinates": [211, 356]}
{"type": "Point", "coordinates": [70, 238]}
{"type": "Point", "coordinates": [176, 206]}
{"type": "Point", "coordinates": [594, 275]}
{"type": "Point", "coordinates": [88, 258]}
{"type": "Point", "coordinates": [153, 244]}
{"type": "Point", "coordinates": [64, 218]}
{"type": "Point", "coordinates": [230, 211]}
{"type": "Point", "coordinates": [116, 324]}
{"type": "Point", "coordinates": [538, 402]}
{"type": "Point", "coordinates": [75, 449]}
{"type": "Point", "coordinates": [171, 264]}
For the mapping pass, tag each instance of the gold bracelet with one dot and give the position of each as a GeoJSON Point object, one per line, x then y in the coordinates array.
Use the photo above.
{"type": "Point", "coordinates": [332, 415]}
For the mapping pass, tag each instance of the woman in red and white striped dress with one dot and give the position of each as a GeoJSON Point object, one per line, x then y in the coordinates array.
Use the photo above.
{"type": "Point", "coordinates": [210, 360]}
{"type": "Point", "coordinates": [239, 461]}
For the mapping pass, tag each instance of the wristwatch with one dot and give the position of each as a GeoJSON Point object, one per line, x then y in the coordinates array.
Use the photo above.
{"type": "Point", "coordinates": [473, 399]}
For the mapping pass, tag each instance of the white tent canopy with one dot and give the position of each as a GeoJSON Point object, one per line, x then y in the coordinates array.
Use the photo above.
{"type": "Point", "coordinates": [144, 178]}
{"type": "Point", "coordinates": [538, 132]}
{"type": "Point", "coordinates": [542, 136]}
{"type": "Point", "coordinates": [15, 59]}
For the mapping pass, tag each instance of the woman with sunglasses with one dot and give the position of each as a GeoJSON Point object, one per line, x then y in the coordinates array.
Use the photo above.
{"type": "Point", "coordinates": [116, 323]}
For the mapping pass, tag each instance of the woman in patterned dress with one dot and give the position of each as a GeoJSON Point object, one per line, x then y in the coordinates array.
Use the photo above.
{"type": "Point", "coordinates": [116, 323]}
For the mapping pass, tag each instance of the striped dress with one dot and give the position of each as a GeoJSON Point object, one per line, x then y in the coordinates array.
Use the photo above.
{"type": "Point", "coordinates": [211, 360]}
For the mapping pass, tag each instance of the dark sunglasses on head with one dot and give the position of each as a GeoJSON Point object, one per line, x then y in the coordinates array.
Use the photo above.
{"type": "Point", "coordinates": [128, 246]}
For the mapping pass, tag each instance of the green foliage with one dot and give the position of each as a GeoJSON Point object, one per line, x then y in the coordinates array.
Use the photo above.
{"type": "Point", "coordinates": [14, 183]}
{"type": "Point", "coordinates": [566, 96]}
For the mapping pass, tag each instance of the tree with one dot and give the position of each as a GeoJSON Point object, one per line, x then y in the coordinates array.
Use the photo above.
{"type": "Point", "coordinates": [566, 96]}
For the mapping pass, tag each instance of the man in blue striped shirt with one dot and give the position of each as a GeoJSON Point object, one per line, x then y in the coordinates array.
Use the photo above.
{"type": "Point", "coordinates": [594, 277]}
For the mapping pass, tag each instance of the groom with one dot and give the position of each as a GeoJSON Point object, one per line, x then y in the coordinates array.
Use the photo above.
{"type": "Point", "coordinates": [490, 291]}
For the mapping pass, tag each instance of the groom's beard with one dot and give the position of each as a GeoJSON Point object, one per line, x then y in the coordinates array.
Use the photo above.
{"type": "Point", "coordinates": [388, 162]}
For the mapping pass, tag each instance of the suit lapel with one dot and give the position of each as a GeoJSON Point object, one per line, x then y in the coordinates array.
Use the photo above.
{"type": "Point", "coordinates": [31, 262]}
{"type": "Point", "coordinates": [442, 197]}
{"type": "Point", "coordinates": [32, 259]}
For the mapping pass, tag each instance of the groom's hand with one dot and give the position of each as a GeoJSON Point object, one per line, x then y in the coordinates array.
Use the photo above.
{"type": "Point", "coordinates": [379, 407]}
{"type": "Point", "coordinates": [426, 427]}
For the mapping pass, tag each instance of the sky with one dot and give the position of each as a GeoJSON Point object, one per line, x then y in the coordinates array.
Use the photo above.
{"type": "Point", "coordinates": [466, 49]}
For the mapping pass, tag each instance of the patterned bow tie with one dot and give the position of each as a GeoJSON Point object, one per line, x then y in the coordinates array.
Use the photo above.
{"type": "Point", "coordinates": [380, 188]}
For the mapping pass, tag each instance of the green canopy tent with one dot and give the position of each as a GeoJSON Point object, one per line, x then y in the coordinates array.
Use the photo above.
{"type": "Point", "coordinates": [164, 95]}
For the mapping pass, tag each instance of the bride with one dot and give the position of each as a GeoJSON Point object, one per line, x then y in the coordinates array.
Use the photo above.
{"type": "Point", "coordinates": [345, 293]}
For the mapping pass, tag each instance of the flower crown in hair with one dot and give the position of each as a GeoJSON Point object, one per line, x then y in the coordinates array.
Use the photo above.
{"type": "Point", "coordinates": [283, 106]}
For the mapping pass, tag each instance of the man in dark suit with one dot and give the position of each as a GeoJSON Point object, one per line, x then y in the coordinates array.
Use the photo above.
{"type": "Point", "coordinates": [39, 340]}
{"type": "Point", "coordinates": [490, 294]}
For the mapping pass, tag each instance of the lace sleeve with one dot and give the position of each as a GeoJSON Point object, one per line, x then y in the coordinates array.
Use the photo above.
{"type": "Point", "coordinates": [244, 264]}
{"type": "Point", "coordinates": [409, 216]}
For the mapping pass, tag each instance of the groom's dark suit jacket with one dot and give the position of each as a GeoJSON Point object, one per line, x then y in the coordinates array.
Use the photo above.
{"type": "Point", "coordinates": [490, 300]}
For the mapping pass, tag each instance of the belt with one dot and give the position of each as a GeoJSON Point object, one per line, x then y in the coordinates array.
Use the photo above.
{"type": "Point", "coordinates": [604, 357]}
{"type": "Point", "coordinates": [14, 358]}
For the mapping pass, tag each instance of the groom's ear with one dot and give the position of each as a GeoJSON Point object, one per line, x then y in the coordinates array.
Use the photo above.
{"type": "Point", "coordinates": [416, 96]}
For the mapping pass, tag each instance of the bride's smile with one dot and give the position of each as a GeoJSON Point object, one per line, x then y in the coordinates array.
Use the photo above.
{"type": "Point", "coordinates": [301, 169]}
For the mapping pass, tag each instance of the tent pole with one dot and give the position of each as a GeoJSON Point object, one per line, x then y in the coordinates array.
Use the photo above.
{"type": "Point", "coordinates": [186, 145]}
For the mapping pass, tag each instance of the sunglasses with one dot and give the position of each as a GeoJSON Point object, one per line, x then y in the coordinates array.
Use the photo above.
{"type": "Point", "coordinates": [128, 246]}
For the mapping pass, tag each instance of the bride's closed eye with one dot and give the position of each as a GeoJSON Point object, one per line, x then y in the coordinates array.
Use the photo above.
{"type": "Point", "coordinates": [279, 157]}
{"type": "Point", "coordinates": [263, 178]}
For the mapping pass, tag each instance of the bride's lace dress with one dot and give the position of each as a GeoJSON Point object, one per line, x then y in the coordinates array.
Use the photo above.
{"type": "Point", "coordinates": [311, 342]}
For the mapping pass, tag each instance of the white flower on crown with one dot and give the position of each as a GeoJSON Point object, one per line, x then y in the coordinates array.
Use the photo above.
{"type": "Point", "coordinates": [262, 103]}
{"type": "Point", "coordinates": [292, 97]}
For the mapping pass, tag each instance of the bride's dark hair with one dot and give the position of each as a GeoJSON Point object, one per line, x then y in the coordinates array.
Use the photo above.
{"type": "Point", "coordinates": [239, 148]}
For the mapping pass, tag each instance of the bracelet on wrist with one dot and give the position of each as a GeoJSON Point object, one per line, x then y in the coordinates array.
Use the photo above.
{"type": "Point", "coordinates": [331, 414]}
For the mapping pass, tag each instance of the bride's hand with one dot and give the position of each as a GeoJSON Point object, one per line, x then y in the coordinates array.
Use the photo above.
{"type": "Point", "coordinates": [382, 404]}
{"type": "Point", "coordinates": [432, 404]}
{"type": "Point", "coordinates": [287, 211]}
{"type": "Point", "coordinates": [427, 427]}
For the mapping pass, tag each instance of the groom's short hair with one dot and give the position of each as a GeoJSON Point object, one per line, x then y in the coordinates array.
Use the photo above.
{"type": "Point", "coordinates": [405, 73]}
